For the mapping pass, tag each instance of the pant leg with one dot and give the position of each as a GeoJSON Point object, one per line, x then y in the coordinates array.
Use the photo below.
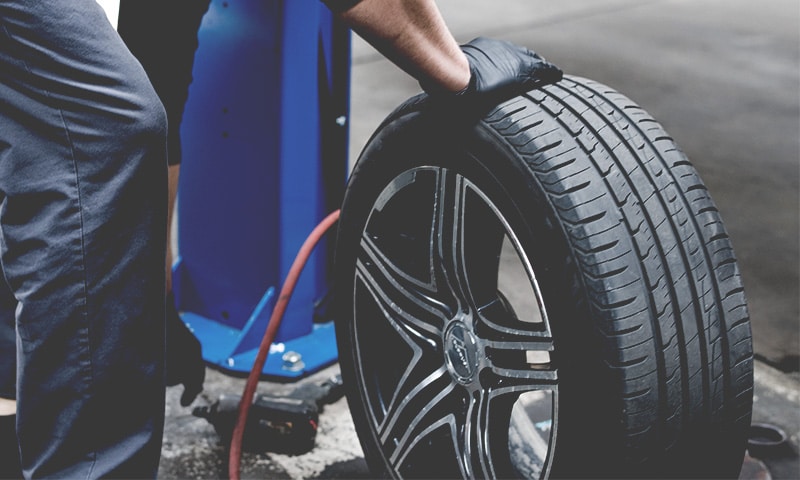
{"type": "Point", "coordinates": [9, 452]}
{"type": "Point", "coordinates": [8, 343]}
{"type": "Point", "coordinates": [82, 224]}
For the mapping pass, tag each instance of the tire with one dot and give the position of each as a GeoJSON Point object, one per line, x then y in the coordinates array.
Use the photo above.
{"type": "Point", "coordinates": [547, 292]}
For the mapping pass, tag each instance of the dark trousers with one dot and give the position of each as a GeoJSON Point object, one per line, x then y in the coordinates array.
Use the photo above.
{"type": "Point", "coordinates": [82, 238]}
{"type": "Point", "coordinates": [8, 345]}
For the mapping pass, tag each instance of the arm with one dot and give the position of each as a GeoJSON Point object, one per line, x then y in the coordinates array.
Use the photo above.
{"type": "Point", "coordinates": [413, 35]}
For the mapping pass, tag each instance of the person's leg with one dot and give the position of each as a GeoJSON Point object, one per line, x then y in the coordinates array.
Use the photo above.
{"type": "Point", "coordinates": [9, 456]}
{"type": "Point", "coordinates": [9, 452]}
{"type": "Point", "coordinates": [83, 222]}
{"type": "Point", "coordinates": [8, 350]}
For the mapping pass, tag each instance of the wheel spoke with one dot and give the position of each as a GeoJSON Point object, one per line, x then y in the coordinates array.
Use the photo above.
{"type": "Point", "coordinates": [521, 380]}
{"type": "Point", "coordinates": [467, 235]}
{"type": "Point", "coordinates": [449, 243]}
{"type": "Point", "coordinates": [465, 418]}
{"type": "Point", "coordinates": [479, 438]}
{"type": "Point", "coordinates": [501, 330]}
{"type": "Point", "coordinates": [403, 300]}
{"type": "Point", "coordinates": [409, 420]}
{"type": "Point", "coordinates": [471, 422]}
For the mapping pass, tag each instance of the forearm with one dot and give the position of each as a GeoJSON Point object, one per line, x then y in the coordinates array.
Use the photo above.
{"type": "Point", "coordinates": [413, 35]}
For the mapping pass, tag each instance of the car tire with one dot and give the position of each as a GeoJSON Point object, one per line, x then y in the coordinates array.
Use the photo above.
{"type": "Point", "coordinates": [548, 291]}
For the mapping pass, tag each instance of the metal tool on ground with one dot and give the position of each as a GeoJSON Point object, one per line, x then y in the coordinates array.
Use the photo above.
{"type": "Point", "coordinates": [275, 423]}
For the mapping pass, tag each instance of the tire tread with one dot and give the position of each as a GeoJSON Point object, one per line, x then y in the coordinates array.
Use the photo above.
{"type": "Point", "coordinates": [647, 238]}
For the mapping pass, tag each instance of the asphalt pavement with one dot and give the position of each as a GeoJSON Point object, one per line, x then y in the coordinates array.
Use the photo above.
{"type": "Point", "coordinates": [723, 78]}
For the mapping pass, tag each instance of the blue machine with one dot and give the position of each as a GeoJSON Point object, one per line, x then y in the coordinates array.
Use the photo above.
{"type": "Point", "coordinates": [264, 161]}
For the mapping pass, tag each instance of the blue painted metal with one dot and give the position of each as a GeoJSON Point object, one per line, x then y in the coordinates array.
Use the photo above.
{"type": "Point", "coordinates": [265, 160]}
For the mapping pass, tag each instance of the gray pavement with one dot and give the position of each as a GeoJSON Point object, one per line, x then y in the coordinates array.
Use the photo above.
{"type": "Point", "coordinates": [722, 76]}
{"type": "Point", "coordinates": [193, 449]}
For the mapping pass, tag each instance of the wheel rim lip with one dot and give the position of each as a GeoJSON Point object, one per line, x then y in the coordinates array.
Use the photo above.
{"type": "Point", "coordinates": [459, 326]}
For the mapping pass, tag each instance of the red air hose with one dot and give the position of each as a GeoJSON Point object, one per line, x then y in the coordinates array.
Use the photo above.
{"type": "Point", "coordinates": [235, 457]}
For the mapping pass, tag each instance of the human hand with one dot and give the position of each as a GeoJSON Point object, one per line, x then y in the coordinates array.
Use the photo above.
{"type": "Point", "coordinates": [184, 360]}
{"type": "Point", "coordinates": [499, 71]}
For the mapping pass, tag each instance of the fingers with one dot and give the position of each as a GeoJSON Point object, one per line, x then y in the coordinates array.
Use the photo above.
{"type": "Point", "coordinates": [504, 68]}
{"type": "Point", "coordinates": [544, 73]}
{"type": "Point", "coordinates": [500, 71]}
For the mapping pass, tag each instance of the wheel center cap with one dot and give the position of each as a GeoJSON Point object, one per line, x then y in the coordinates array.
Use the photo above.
{"type": "Point", "coordinates": [461, 352]}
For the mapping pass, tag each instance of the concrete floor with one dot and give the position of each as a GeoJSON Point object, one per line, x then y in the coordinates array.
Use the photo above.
{"type": "Point", "coordinates": [722, 76]}
{"type": "Point", "coordinates": [193, 449]}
